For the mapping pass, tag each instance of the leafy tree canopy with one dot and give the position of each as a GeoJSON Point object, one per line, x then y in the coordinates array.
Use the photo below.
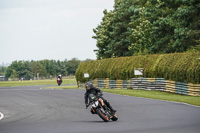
{"type": "Point", "coordinates": [148, 26]}
{"type": "Point", "coordinates": [45, 68]}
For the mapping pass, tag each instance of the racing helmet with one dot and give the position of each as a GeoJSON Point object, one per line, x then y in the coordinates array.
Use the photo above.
{"type": "Point", "coordinates": [88, 84]}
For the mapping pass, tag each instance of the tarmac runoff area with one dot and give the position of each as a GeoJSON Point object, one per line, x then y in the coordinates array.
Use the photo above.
{"type": "Point", "coordinates": [30, 109]}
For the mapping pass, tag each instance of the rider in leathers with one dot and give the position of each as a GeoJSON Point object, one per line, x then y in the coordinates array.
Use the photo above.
{"type": "Point", "coordinates": [59, 76]}
{"type": "Point", "coordinates": [90, 89]}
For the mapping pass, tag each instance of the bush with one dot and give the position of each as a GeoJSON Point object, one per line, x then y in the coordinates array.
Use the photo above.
{"type": "Point", "coordinates": [182, 67]}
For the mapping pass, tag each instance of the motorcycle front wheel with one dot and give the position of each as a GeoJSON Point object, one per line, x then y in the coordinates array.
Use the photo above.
{"type": "Point", "coordinates": [102, 115]}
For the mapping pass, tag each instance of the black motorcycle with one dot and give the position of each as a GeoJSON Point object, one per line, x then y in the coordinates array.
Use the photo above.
{"type": "Point", "coordinates": [100, 108]}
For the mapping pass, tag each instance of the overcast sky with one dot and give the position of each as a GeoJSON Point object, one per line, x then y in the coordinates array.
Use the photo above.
{"type": "Point", "coordinates": [49, 29]}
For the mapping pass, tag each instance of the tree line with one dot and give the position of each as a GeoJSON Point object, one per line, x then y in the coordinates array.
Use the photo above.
{"type": "Point", "coordinates": [2, 70]}
{"type": "Point", "coordinates": [147, 27]}
{"type": "Point", "coordinates": [46, 68]}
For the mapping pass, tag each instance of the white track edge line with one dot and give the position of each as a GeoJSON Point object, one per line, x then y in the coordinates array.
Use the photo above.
{"type": "Point", "coordinates": [1, 116]}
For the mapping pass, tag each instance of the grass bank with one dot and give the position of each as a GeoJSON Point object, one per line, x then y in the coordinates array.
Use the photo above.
{"type": "Point", "coordinates": [156, 95]}
{"type": "Point", "coordinates": [36, 82]}
{"type": "Point", "coordinates": [62, 87]}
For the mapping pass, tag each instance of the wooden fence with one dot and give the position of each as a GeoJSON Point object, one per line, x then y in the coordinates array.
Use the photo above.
{"type": "Point", "coordinates": [148, 84]}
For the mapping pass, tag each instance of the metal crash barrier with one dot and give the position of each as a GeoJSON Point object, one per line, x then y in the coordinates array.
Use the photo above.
{"type": "Point", "coordinates": [159, 84]}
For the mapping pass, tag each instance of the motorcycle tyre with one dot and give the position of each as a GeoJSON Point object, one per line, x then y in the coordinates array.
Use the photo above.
{"type": "Point", "coordinates": [102, 116]}
{"type": "Point", "coordinates": [114, 118]}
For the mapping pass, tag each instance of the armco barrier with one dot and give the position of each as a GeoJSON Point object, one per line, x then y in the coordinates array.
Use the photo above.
{"type": "Point", "coordinates": [170, 86]}
{"type": "Point", "coordinates": [112, 84]}
{"type": "Point", "coordinates": [148, 84]}
{"type": "Point", "coordinates": [194, 90]}
{"type": "Point", "coordinates": [106, 83]}
{"type": "Point", "coordinates": [183, 88]}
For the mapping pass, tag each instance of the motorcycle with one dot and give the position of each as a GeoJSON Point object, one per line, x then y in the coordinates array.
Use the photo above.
{"type": "Point", "coordinates": [99, 108]}
{"type": "Point", "coordinates": [59, 81]}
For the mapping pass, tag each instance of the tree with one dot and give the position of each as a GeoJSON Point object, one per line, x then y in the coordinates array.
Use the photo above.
{"type": "Point", "coordinates": [2, 70]}
{"type": "Point", "coordinates": [9, 72]}
{"type": "Point", "coordinates": [113, 34]}
{"type": "Point", "coordinates": [103, 36]}
{"type": "Point", "coordinates": [14, 75]}
{"type": "Point", "coordinates": [28, 69]}
{"type": "Point", "coordinates": [72, 65]}
{"type": "Point", "coordinates": [148, 26]}
{"type": "Point", "coordinates": [19, 69]}
{"type": "Point", "coordinates": [37, 67]}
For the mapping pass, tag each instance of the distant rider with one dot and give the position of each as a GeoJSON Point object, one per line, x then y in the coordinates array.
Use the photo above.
{"type": "Point", "coordinates": [60, 76]}
{"type": "Point", "coordinates": [90, 89]}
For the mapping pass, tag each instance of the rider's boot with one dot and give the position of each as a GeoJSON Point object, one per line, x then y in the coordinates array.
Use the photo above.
{"type": "Point", "coordinates": [111, 108]}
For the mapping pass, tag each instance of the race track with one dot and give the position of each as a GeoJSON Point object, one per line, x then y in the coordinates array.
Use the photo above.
{"type": "Point", "coordinates": [33, 110]}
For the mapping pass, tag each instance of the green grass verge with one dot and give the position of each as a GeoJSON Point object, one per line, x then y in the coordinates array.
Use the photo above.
{"type": "Point", "coordinates": [61, 87]}
{"type": "Point", "coordinates": [35, 82]}
{"type": "Point", "coordinates": [156, 95]}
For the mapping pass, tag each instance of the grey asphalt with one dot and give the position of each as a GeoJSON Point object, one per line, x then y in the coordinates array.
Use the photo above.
{"type": "Point", "coordinates": [33, 110]}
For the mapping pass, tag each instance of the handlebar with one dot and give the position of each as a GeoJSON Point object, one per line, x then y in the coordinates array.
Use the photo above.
{"type": "Point", "coordinates": [91, 102]}
{"type": "Point", "coordinates": [97, 97]}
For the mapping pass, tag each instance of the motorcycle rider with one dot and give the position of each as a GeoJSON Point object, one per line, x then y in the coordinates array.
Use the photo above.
{"type": "Point", "coordinates": [59, 76]}
{"type": "Point", "coordinates": [90, 89]}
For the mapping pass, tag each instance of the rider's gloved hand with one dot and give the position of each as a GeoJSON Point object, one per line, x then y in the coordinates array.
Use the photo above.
{"type": "Point", "coordinates": [99, 94]}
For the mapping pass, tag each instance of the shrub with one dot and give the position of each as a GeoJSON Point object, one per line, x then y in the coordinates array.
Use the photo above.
{"type": "Point", "coordinates": [182, 67]}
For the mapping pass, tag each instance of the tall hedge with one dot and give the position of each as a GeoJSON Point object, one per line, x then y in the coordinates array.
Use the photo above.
{"type": "Point", "coordinates": [182, 67]}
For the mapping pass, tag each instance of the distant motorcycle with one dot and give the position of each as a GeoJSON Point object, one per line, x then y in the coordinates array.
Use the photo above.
{"type": "Point", "coordinates": [99, 108]}
{"type": "Point", "coordinates": [59, 81]}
